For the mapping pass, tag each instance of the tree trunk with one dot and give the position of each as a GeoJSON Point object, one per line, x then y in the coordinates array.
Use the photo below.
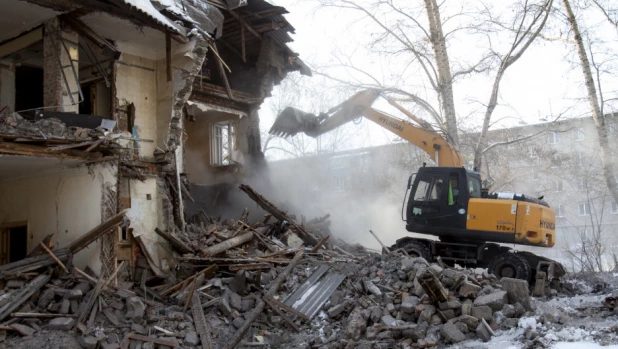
{"type": "Point", "coordinates": [445, 78]}
{"type": "Point", "coordinates": [597, 115]}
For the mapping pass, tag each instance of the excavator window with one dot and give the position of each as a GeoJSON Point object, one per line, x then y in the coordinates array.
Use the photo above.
{"type": "Point", "coordinates": [453, 189]}
{"type": "Point", "coordinates": [422, 189]}
{"type": "Point", "coordinates": [474, 186]}
{"type": "Point", "coordinates": [429, 195]}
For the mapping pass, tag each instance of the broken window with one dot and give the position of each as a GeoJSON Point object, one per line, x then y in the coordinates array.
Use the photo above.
{"type": "Point", "coordinates": [222, 143]}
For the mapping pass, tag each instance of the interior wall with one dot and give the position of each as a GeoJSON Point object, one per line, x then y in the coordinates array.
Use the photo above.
{"type": "Point", "coordinates": [66, 203]}
{"type": "Point", "coordinates": [197, 147]}
{"type": "Point", "coordinates": [7, 86]}
{"type": "Point", "coordinates": [136, 82]}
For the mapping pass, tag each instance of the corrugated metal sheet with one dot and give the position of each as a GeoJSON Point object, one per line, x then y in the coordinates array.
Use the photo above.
{"type": "Point", "coordinates": [312, 279]}
{"type": "Point", "coordinates": [311, 296]}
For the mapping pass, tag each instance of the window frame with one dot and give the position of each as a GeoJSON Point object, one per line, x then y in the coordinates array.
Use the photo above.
{"type": "Point", "coordinates": [586, 207]}
{"type": "Point", "coordinates": [221, 154]}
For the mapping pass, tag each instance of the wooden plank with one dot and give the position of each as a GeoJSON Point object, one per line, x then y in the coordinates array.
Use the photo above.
{"type": "Point", "coordinates": [273, 287]}
{"type": "Point", "coordinates": [288, 308]}
{"type": "Point", "coordinates": [95, 294]}
{"type": "Point", "coordinates": [37, 250]}
{"type": "Point", "coordinates": [257, 266]}
{"type": "Point", "coordinates": [283, 316]}
{"type": "Point", "coordinates": [53, 256]}
{"type": "Point", "coordinates": [71, 146]}
{"type": "Point", "coordinates": [201, 324]}
{"type": "Point", "coordinates": [319, 244]}
{"type": "Point", "coordinates": [96, 232]}
{"type": "Point", "coordinates": [174, 241]}
{"type": "Point", "coordinates": [40, 315]}
{"type": "Point", "coordinates": [17, 299]}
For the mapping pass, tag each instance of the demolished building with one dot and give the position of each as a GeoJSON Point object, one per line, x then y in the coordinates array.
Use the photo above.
{"type": "Point", "coordinates": [108, 105]}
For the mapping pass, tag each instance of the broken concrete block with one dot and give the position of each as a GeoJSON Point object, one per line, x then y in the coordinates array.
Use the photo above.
{"type": "Point", "coordinates": [88, 342]}
{"type": "Point", "coordinates": [248, 303]}
{"type": "Point", "coordinates": [452, 304]}
{"type": "Point", "coordinates": [45, 298]}
{"type": "Point", "coordinates": [238, 322]}
{"type": "Point", "coordinates": [135, 308]}
{"type": "Point", "coordinates": [518, 291]}
{"type": "Point", "coordinates": [175, 316]}
{"type": "Point", "coordinates": [469, 321]}
{"type": "Point", "coordinates": [390, 307]}
{"type": "Point", "coordinates": [388, 320]}
{"type": "Point", "coordinates": [137, 328]}
{"type": "Point", "coordinates": [494, 300]}
{"type": "Point", "coordinates": [24, 330]}
{"type": "Point", "coordinates": [65, 306]}
{"type": "Point", "coordinates": [508, 311]}
{"type": "Point", "coordinates": [371, 288]}
{"type": "Point", "coordinates": [357, 323]}
{"type": "Point", "coordinates": [462, 327]}
{"type": "Point", "coordinates": [74, 295]}
{"type": "Point", "coordinates": [224, 307]}
{"type": "Point", "coordinates": [61, 323]}
{"type": "Point", "coordinates": [372, 332]}
{"type": "Point", "coordinates": [451, 333]}
{"type": "Point", "coordinates": [191, 339]}
{"type": "Point", "coordinates": [336, 310]}
{"type": "Point", "coordinates": [74, 307]}
{"type": "Point", "coordinates": [408, 304]}
{"type": "Point", "coordinates": [416, 333]}
{"type": "Point", "coordinates": [375, 313]}
{"type": "Point", "coordinates": [484, 331]}
{"type": "Point", "coordinates": [466, 307]}
{"type": "Point", "coordinates": [469, 290]}
{"type": "Point", "coordinates": [482, 312]}
{"type": "Point", "coordinates": [235, 301]}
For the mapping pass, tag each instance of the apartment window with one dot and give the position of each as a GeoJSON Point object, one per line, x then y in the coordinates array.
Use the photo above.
{"type": "Point", "coordinates": [578, 134]}
{"type": "Point", "coordinates": [222, 143]}
{"type": "Point", "coordinates": [557, 185]}
{"type": "Point", "coordinates": [584, 209]}
{"type": "Point", "coordinates": [612, 129]}
{"type": "Point", "coordinates": [614, 207]}
{"type": "Point", "coordinates": [552, 138]}
{"type": "Point", "coordinates": [581, 184]}
{"type": "Point", "coordinates": [560, 211]}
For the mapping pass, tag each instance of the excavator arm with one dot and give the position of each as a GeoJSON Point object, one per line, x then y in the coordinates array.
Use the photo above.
{"type": "Point", "coordinates": [291, 121]}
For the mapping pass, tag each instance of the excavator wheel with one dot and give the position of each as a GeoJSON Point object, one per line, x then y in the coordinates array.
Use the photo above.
{"type": "Point", "coordinates": [417, 249]}
{"type": "Point", "coordinates": [510, 265]}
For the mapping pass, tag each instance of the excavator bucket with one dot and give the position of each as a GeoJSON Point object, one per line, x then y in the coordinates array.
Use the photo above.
{"type": "Point", "coordinates": [292, 121]}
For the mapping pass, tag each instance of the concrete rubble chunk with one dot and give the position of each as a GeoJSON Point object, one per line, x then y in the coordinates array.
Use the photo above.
{"type": "Point", "coordinates": [375, 313]}
{"type": "Point", "coordinates": [469, 290]}
{"type": "Point", "coordinates": [235, 301]}
{"type": "Point", "coordinates": [371, 288]}
{"type": "Point", "coordinates": [451, 333]}
{"type": "Point", "coordinates": [75, 294]}
{"type": "Point", "coordinates": [482, 312]}
{"type": "Point", "coordinates": [495, 300]}
{"type": "Point", "coordinates": [88, 342]}
{"type": "Point", "coordinates": [469, 320]}
{"type": "Point", "coordinates": [225, 308]}
{"type": "Point", "coordinates": [24, 330]}
{"type": "Point", "coordinates": [357, 323]}
{"type": "Point", "coordinates": [452, 304]}
{"type": "Point", "coordinates": [238, 322]}
{"type": "Point", "coordinates": [45, 298]}
{"type": "Point", "coordinates": [408, 304]}
{"type": "Point", "coordinates": [191, 339]}
{"type": "Point", "coordinates": [336, 310]}
{"type": "Point", "coordinates": [106, 345]}
{"type": "Point", "coordinates": [135, 308]}
{"type": "Point", "coordinates": [518, 291]}
{"type": "Point", "coordinates": [483, 331]}
{"type": "Point", "coordinates": [61, 323]}
{"type": "Point", "coordinates": [372, 332]}
{"type": "Point", "coordinates": [388, 320]}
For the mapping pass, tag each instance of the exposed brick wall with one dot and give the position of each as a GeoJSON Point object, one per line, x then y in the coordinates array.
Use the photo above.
{"type": "Point", "coordinates": [55, 93]}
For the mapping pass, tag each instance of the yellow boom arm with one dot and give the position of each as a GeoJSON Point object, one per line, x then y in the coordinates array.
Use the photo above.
{"type": "Point", "coordinates": [292, 121]}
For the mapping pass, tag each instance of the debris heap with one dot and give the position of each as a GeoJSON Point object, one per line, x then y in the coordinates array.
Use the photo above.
{"type": "Point", "coordinates": [277, 284]}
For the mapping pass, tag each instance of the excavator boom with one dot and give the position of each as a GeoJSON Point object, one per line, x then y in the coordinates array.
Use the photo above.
{"type": "Point", "coordinates": [292, 121]}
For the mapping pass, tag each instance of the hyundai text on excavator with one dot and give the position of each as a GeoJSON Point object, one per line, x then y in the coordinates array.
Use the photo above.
{"type": "Point", "coordinates": [448, 201]}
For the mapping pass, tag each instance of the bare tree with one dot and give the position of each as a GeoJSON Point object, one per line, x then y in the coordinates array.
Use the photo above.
{"type": "Point", "coordinates": [402, 31]}
{"type": "Point", "coordinates": [595, 100]}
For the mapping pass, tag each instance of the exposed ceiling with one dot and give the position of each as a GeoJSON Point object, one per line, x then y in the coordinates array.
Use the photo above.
{"type": "Point", "coordinates": [17, 166]}
{"type": "Point", "coordinates": [19, 16]}
{"type": "Point", "coordinates": [129, 37]}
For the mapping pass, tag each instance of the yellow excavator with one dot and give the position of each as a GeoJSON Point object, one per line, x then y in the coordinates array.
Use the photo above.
{"type": "Point", "coordinates": [448, 201]}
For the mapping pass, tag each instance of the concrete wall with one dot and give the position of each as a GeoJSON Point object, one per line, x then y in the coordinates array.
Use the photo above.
{"type": "Point", "coordinates": [66, 203]}
{"type": "Point", "coordinates": [136, 82]}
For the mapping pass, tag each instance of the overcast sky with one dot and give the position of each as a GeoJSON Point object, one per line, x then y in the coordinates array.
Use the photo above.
{"type": "Point", "coordinates": [542, 83]}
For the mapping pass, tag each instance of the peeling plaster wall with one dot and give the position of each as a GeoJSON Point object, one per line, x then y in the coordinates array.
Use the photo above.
{"type": "Point", "coordinates": [197, 147]}
{"type": "Point", "coordinates": [136, 82]}
{"type": "Point", "coordinates": [66, 203]}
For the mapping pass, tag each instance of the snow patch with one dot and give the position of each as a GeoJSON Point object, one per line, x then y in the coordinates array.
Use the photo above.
{"type": "Point", "coordinates": [527, 322]}
{"type": "Point", "coordinates": [581, 345]}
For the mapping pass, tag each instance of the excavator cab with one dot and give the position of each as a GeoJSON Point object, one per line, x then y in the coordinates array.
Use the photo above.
{"type": "Point", "coordinates": [438, 201]}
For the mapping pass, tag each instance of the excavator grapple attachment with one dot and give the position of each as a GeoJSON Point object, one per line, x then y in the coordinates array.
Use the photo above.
{"type": "Point", "coordinates": [292, 121]}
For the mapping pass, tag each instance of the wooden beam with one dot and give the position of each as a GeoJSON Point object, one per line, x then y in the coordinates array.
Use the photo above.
{"type": "Point", "coordinates": [20, 296]}
{"type": "Point", "coordinates": [246, 25]}
{"type": "Point", "coordinates": [21, 42]}
{"type": "Point", "coordinates": [96, 232]}
{"type": "Point", "coordinates": [282, 314]}
{"type": "Point", "coordinates": [175, 242]}
{"type": "Point", "coordinates": [201, 324]}
{"type": "Point", "coordinates": [53, 256]}
{"type": "Point", "coordinates": [242, 41]}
